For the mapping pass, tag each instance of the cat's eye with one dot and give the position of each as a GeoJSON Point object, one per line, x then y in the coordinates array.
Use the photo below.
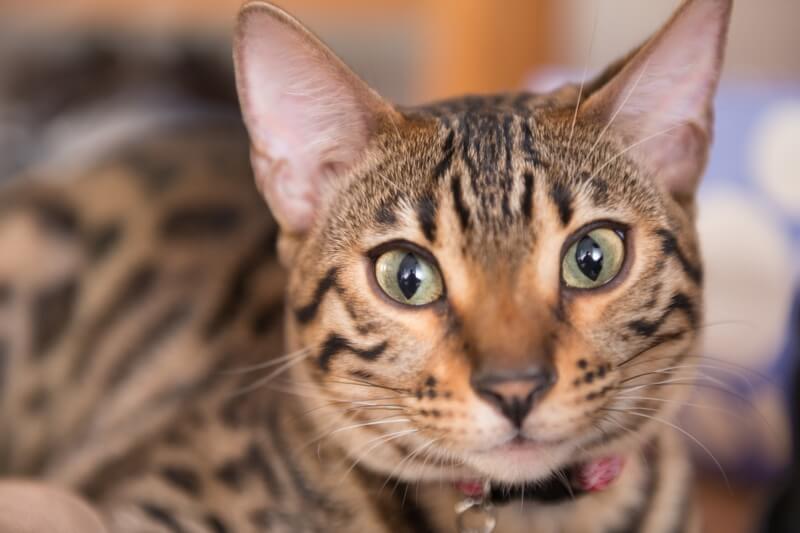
{"type": "Point", "coordinates": [408, 278]}
{"type": "Point", "coordinates": [593, 259]}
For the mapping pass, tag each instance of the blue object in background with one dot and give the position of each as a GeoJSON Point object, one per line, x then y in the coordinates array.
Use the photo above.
{"type": "Point", "coordinates": [749, 224]}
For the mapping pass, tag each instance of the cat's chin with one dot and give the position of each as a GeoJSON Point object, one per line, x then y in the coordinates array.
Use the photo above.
{"type": "Point", "coordinates": [519, 461]}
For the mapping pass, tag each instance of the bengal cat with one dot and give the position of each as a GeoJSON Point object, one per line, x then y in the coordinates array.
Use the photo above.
{"type": "Point", "coordinates": [480, 311]}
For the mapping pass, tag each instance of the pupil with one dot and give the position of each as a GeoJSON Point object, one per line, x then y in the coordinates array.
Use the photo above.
{"type": "Point", "coordinates": [589, 257]}
{"type": "Point", "coordinates": [409, 275]}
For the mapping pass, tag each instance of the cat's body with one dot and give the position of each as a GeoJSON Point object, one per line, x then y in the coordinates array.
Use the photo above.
{"type": "Point", "coordinates": [180, 253]}
{"type": "Point", "coordinates": [160, 361]}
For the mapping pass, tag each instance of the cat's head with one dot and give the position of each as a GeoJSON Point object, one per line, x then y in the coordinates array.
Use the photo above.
{"type": "Point", "coordinates": [508, 283]}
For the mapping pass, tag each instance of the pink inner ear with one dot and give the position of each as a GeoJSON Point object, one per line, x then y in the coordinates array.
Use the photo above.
{"type": "Point", "coordinates": [660, 102]}
{"type": "Point", "coordinates": [673, 83]}
{"type": "Point", "coordinates": [304, 110]}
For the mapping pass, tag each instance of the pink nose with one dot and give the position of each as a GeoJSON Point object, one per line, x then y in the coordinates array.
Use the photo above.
{"type": "Point", "coordinates": [514, 392]}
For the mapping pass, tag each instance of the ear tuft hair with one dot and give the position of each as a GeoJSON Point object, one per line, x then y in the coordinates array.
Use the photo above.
{"type": "Point", "coordinates": [660, 99]}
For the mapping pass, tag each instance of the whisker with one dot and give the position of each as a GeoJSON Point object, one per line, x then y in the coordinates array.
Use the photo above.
{"type": "Point", "coordinates": [700, 385]}
{"type": "Point", "coordinates": [424, 466]}
{"type": "Point", "coordinates": [378, 407]}
{"type": "Point", "coordinates": [392, 409]}
{"type": "Point", "coordinates": [682, 383]}
{"type": "Point", "coordinates": [702, 366]}
{"type": "Point", "coordinates": [368, 424]}
{"type": "Point", "coordinates": [383, 439]}
{"type": "Point", "coordinates": [317, 385]}
{"type": "Point", "coordinates": [700, 378]}
{"type": "Point", "coordinates": [616, 113]}
{"type": "Point", "coordinates": [583, 77]}
{"type": "Point", "coordinates": [684, 432]}
{"type": "Point", "coordinates": [269, 377]}
{"type": "Point", "coordinates": [364, 383]}
{"type": "Point", "coordinates": [710, 358]}
{"type": "Point", "coordinates": [290, 388]}
{"type": "Point", "coordinates": [677, 372]}
{"type": "Point", "coordinates": [562, 478]}
{"type": "Point", "coordinates": [685, 404]}
{"type": "Point", "coordinates": [617, 423]}
{"type": "Point", "coordinates": [357, 404]}
{"type": "Point", "coordinates": [634, 145]}
{"type": "Point", "coordinates": [645, 350]}
{"type": "Point", "coordinates": [303, 352]}
{"type": "Point", "coordinates": [380, 421]}
{"type": "Point", "coordinates": [401, 464]}
{"type": "Point", "coordinates": [332, 401]}
{"type": "Point", "coordinates": [608, 417]}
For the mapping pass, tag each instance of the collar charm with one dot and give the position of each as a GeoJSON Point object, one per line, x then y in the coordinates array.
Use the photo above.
{"type": "Point", "coordinates": [475, 513]}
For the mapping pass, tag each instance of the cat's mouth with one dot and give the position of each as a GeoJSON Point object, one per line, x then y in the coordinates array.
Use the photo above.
{"type": "Point", "coordinates": [518, 448]}
{"type": "Point", "coordinates": [518, 459]}
{"type": "Point", "coordinates": [519, 442]}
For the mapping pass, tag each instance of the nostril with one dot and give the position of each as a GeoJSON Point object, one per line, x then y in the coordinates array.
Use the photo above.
{"type": "Point", "coordinates": [515, 408]}
{"type": "Point", "coordinates": [514, 393]}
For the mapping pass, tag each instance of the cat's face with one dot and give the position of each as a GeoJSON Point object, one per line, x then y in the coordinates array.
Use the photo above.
{"type": "Point", "coordinates": [486, 283]}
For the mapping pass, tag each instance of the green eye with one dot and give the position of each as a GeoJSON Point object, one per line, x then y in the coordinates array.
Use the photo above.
{"type": "Point", "coordinates": [594, 259]}
{"type": "Point", "coordinates": [408, 278]}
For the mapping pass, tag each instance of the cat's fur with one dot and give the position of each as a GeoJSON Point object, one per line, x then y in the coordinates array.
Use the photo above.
{"type": "Point", "coordinates": [141, 303]}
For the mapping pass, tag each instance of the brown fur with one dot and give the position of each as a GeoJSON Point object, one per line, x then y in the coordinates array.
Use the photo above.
{"type": "Point", "coordinates": [143, 394]}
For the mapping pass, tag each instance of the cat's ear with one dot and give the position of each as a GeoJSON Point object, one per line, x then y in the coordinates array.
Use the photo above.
{"type": "Point", "coordinates": [308, 115]}
{"type": "Point", "coordinates": [659, 99]}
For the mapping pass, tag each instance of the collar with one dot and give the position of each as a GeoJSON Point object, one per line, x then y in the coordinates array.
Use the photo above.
{"type": "Point", "coordinates": [565, 484]}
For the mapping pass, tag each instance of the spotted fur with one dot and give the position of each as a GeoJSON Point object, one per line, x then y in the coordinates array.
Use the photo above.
{"type": "Point", "coordinates": [158, 357]}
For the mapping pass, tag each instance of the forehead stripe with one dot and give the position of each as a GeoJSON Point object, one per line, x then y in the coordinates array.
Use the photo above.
{"type": "Point", "coordinates": [530, 152]}
{"type": "Point", "coordinates": [447, 157]}
{"type": "Point", "coordinates": [426, 213]}
{"type": "Point", "coordinates": [509, 142]}
{"type": "Point", "coordinates": [385, 215]}
{"type": "Point", "coordinates": [458, 202]}
{"type": "Point", "coordinates": [562, 197]}
{"type": "Point", "coordinates": [527, 197]}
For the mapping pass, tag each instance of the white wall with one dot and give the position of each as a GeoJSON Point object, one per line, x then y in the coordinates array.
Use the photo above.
{"type": "Point", "coordinates": [764, 38]}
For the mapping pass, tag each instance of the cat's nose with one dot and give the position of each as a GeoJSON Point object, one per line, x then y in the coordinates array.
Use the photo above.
{"type": "Point", "coordinates": [514, 392]}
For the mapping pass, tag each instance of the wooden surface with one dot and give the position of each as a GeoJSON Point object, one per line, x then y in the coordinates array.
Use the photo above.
{"type": "Point", "coordinates": [478, 47]}
{"type": "Point", "coordinates": [734, 509]}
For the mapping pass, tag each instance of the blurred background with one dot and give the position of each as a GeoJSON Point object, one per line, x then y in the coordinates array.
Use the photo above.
{"type": "Point", "coordinates": [417, 50]}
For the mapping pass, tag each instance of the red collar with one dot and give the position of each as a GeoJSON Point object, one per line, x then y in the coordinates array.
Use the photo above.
{"type": "Point", "coordinates": [568, 483]}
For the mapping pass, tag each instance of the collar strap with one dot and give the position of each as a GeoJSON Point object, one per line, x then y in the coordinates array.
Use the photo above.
{"type": "Point", "coordinates": [566, 484]}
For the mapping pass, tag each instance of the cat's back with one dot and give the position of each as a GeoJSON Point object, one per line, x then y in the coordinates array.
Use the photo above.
{"type": "Point", "coordinates": [133, 274]}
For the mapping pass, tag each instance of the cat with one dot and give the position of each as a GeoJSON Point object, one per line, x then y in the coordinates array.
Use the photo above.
{"type": "Point", "coordinates": [481, 316]}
